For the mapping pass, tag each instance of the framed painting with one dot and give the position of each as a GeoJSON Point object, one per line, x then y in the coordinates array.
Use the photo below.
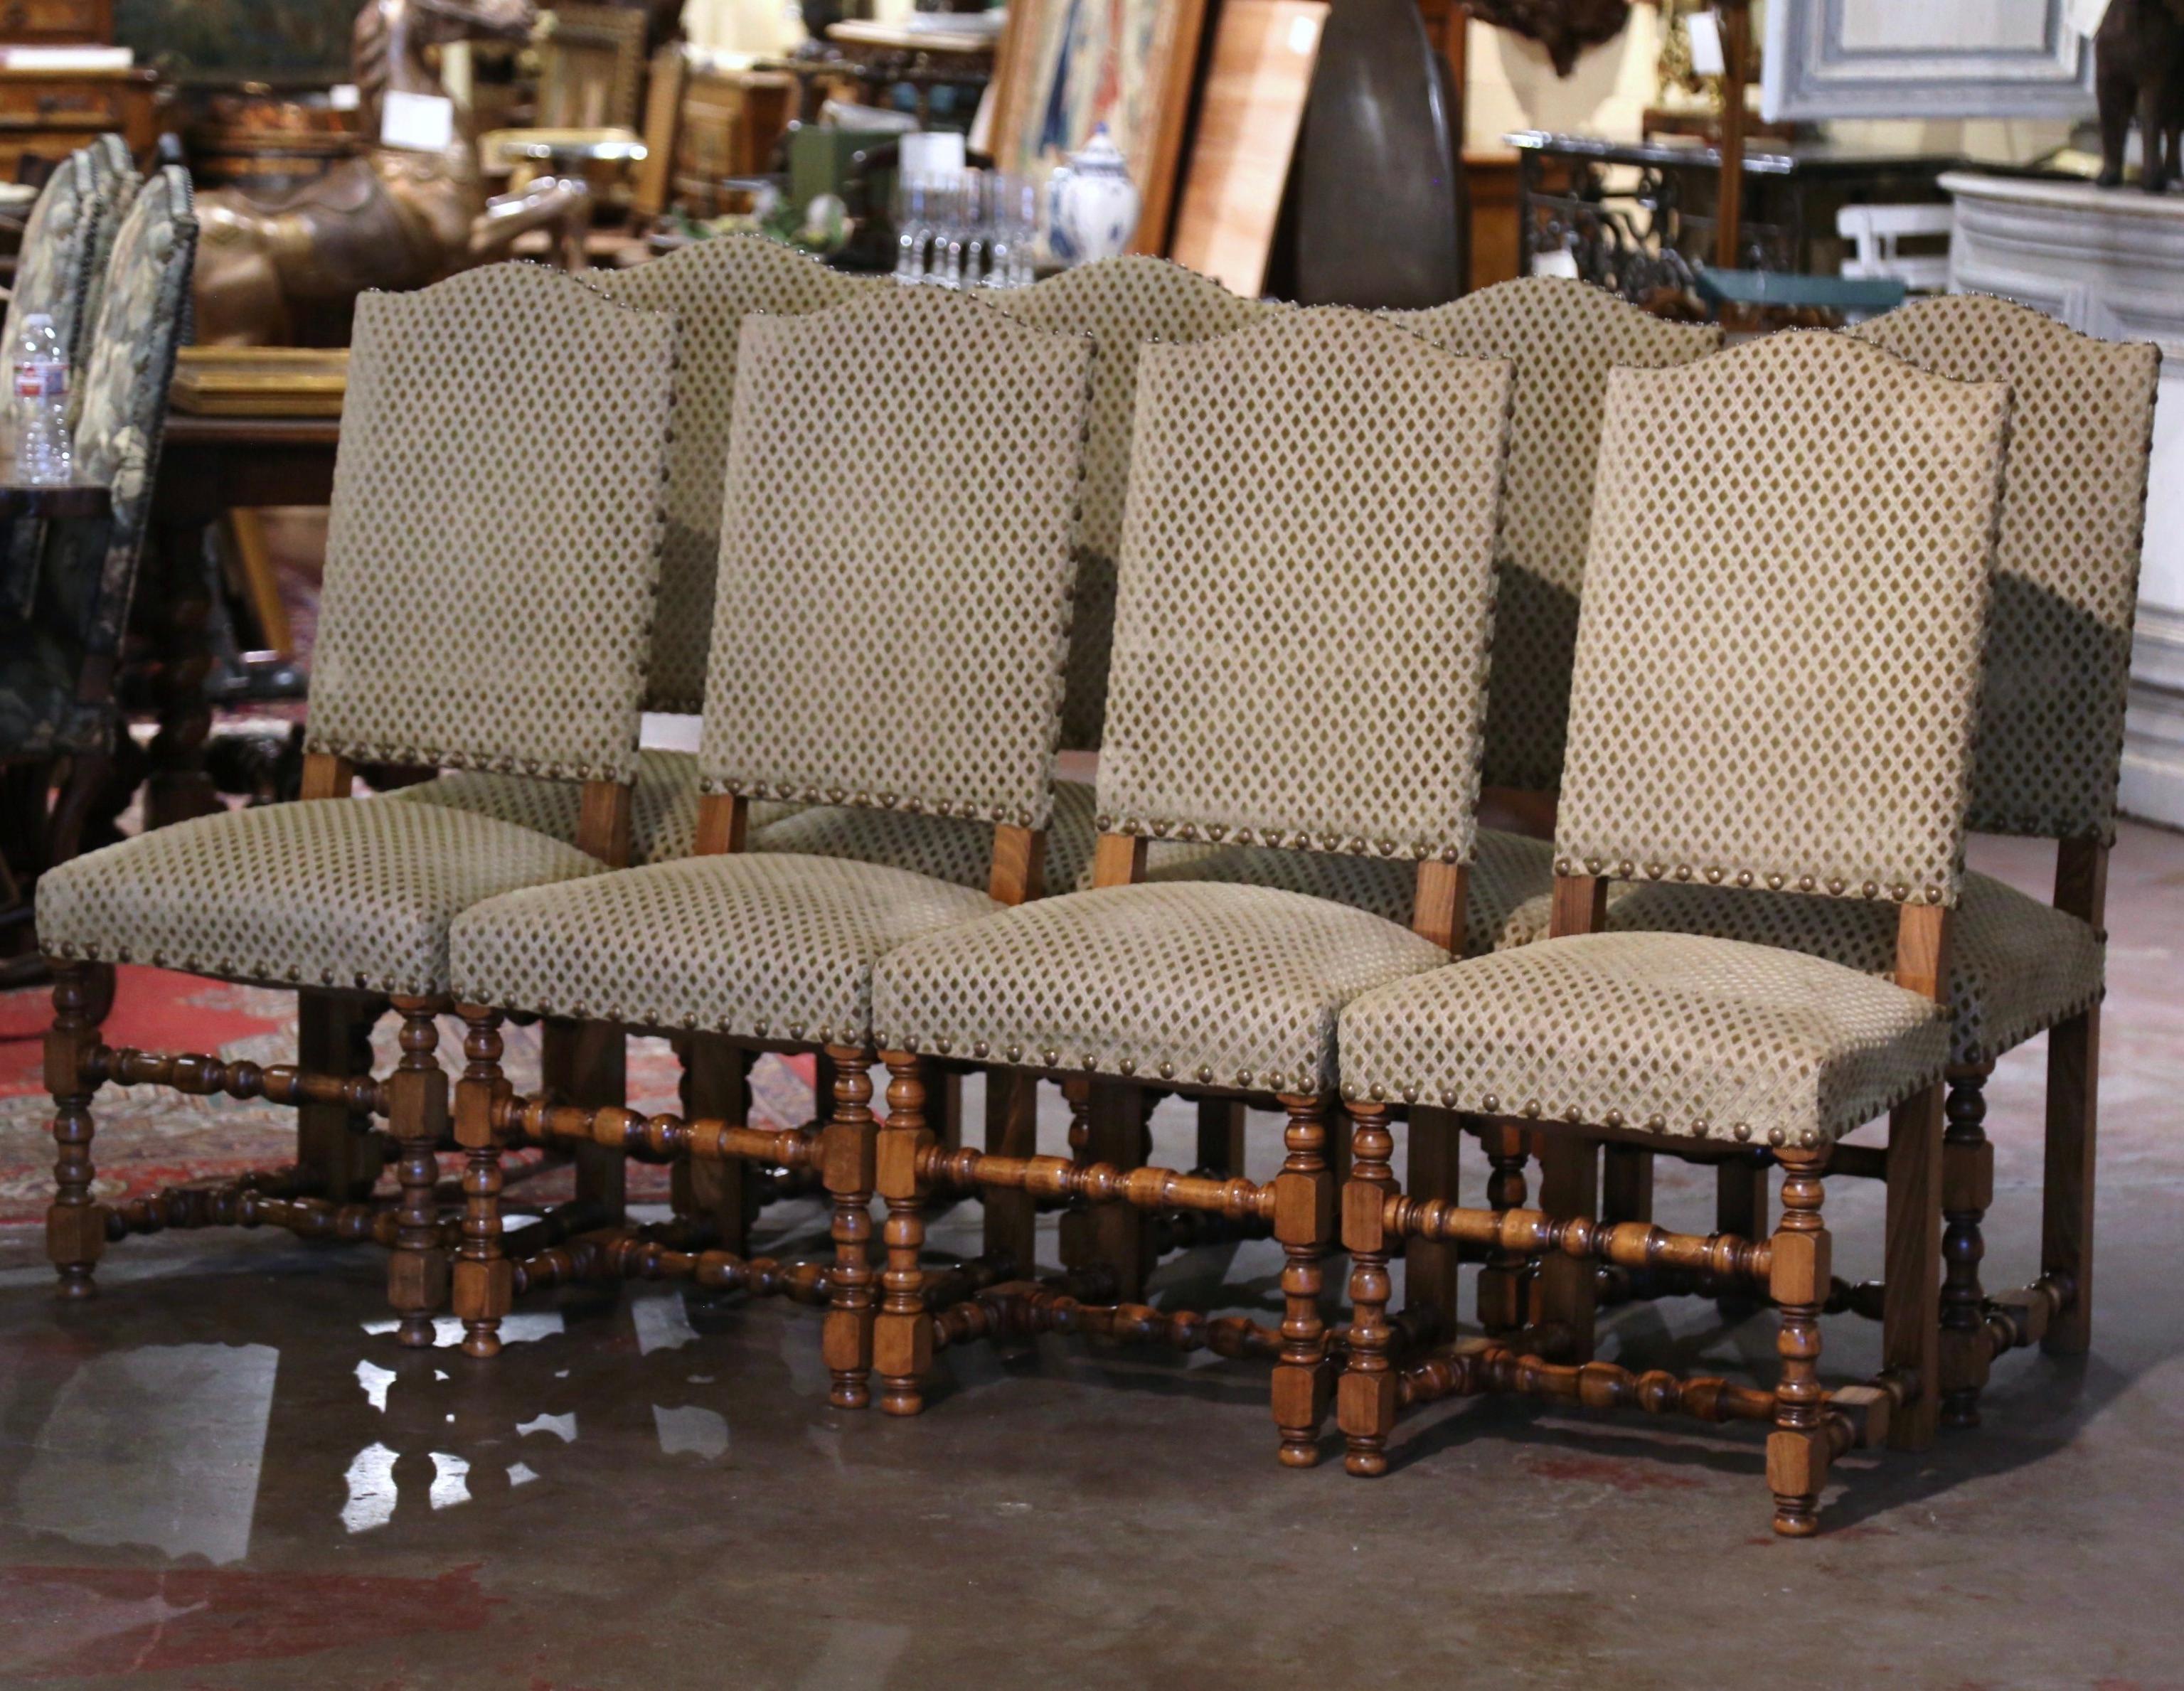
{"type": "Point", "coordinates": [1941, 58]}
{"type": "Point", "coordinates": [1066, 67]}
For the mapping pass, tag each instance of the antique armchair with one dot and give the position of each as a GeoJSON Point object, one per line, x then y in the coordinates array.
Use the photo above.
{"type": "Point", "coordinates": [1776, 685]}
{"type": "Point", "coordinates": [2045, 766]}
{"type": "Point", "coordinates": [844, 630]}
{"type": "Point", "coordinates": [1328, 467]}
{"type": "Point", "coordinates": [473, 617]}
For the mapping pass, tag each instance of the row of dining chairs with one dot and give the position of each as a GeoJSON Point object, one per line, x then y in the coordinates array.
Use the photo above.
{"type": "Point", "coordinates": [1763, 630]}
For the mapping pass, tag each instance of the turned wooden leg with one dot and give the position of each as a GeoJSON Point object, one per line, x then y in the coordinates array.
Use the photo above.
{"type": "Point", "coordinates": [336, 1149]}
{"type": "Point", "coordinates": [2066, 1216]}
{"type": "Point", "coordinates": [417, 1117]}
{"type": "Point", "coordinates": [1797, 1450]}
{"type": "Point", "coordinates": [484, 1278]}
{"type": "Point", "coordinates": [1911, 1308]}
{"type": "Point", "coordinates": [75, 1225]}
{"type": "Point", "coordinates": [849, 1161]}
{"type": "Point", "coordinates": [1220, 1136]}
{"type": "Point", "coordinates": [1429, 1265]}
{"type": "Point", "coordinates": [902, 1337]}
{"type": "Point", "coordinates": [1107, 1125]}
{"type": "Point", "coordinates": [1365, 1400]}
{"type": "Point", "coordinates": [1967, 1193]}
{"type": "Point", "coordinates": [1502, 1281]}
{"type": "Point", "coordinates": [1565, 1287]}
{"type": "Point", "coordinates": [715, 1087]}
{"type": "Point", "coordinates": [1011, 1218]}
{"type": "Point", "coordinates": [583, 1063]}
{"type": "Point", "coordinates": [1304, 1223]}
{"type": "Point", "coordinates": [1740, 1208]}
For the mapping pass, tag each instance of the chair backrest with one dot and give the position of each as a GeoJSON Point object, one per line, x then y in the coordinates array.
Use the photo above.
{"type": "Point", "coordinates": [1876, 229]}
{"type": "Point", "coordinates": [1306, 590]}
{"type": "Point", "coordinates": [1778, 665]}
{"type": "Point", "coordinates": [892, 608]}
{"type": "Point", "coordinates": [493, 550]}
{"type": "Point", "coordinates": [122, 397]}
{"type": "Point", "coordinates": [710, 285]}
{"type": "Point", "coordinates": [2050, 749]}
{"type": "Point", "coordinates": [1563, 336]}
{"type": "Point", "coordinates": [1122, 303]}
{"type": "Point", "coordinates": [60, 245]}
{"type": "Point", "coordinates": [115, 177]}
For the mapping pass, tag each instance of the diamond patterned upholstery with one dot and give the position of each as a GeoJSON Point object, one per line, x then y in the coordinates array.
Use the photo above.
{"type": "Point", "coordinates": [766, 946]}
{"type": "Point", "coordinates": [1666, 1033]}
{"type": "Point", "coordinates": [328, 893]}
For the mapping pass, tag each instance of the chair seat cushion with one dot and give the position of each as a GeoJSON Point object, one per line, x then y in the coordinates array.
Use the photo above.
{"type": "Point", "coordinates": [770, 946]}
{"type": "Point", "coordinates": [663, 822]}
{"type": "Point", "coordinates": [1673, 1034]}
{"type": "Point", "coordinates": [2017, 966]}
{"type": "Point", "coordinates": [1509, 871]}
{"type": "Point", "coordinates": [352, 893]}
{"type": "Point", "coordinates": [1194, 981]}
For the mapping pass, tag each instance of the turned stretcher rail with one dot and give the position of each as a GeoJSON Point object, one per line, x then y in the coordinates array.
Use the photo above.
{"type": "Point", "coordinates": [1628, 1244]}
{"type": "Point", "coordinates": [200, 1075]}
{"type": "Point", "coordinates": [967, 1170]}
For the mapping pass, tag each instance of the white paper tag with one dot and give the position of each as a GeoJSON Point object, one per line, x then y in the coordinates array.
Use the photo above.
{"type": "Point", "coordinates": [1707, 58]}
{"type": "Point", "coordinates": [1561, 262]}
{"type": "Point", "coordinates": [423, 123]}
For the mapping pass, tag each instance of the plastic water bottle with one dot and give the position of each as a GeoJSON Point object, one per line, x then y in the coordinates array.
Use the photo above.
{"type": "Point", "coordinates": [44, 453]}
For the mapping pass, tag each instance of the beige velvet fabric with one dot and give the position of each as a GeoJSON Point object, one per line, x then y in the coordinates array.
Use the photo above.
{"type": "Point", "coordinates": [494, 551]}
{"type": "Point", "coordinates": [1197, 982]}
{"type": "Point", "coordinates": [2017, 966]}
{"type": "Point", "coordinates": [1561, 337]}
{"type": "Point", "coordinates": [1122, 303]}
{"type": "Point", "coordinates": [330, 892]}
{"type": "Point", "coordinates": [2050, 745]}
{"type": "Point", "coordinates": [1665, 1033]}
{"type": "Point", "coordinates": [709, 287]}
{"type": "Point", "coordinates": [892, 609]}
{"type": "Point", "coordinates": [1778, 664]}
{"type": "Point", "coordinates": [1316, 470]}
{"type": "Point", "coordinates": [770, 947]}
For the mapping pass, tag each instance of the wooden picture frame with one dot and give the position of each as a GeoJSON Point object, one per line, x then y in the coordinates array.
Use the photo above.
{"type": "Point", "coordinates": [1151, 69]}
{"type": "Point", "coordinates": [1946, 58]}
{"type": "Point", "coordinates": [1250, 114]}
{"type": "Point", "coordinates": [591, 67]}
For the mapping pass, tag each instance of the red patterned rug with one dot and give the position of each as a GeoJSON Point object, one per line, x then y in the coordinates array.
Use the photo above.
{"type": "Point", "coordinates": [149, 1138]}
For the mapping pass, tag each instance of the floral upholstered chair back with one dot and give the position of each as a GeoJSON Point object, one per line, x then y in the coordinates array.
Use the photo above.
{"type": "Point", "coordinates": [2050, 748]}
{"type": "Point", "coordinates": [117, 180]}
{"type": "Point", "coordinates": [1563, 336]}
{"type": "Point", "coordinates": [60, 242]}
{"type": "Point", "coordinates": [710, 286]}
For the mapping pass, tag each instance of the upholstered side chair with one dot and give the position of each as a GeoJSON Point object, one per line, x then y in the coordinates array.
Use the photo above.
{"type": "Point", "coordinates": [531, 658]}
{"type": "Point", "coordinates": [115, 177]}
{"type": "Point", "coordinates": [1776, 686]}
{"type": "Point", "coordinates": [2045, 766]}
{"type": "Point", "coordinates": [889, 620]}
{"type": "Point", "coordinates": [59, 250]}
{"type": "Point", "coordinates": [1324, 467]}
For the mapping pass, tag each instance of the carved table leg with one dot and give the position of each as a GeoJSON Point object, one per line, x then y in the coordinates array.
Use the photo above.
{"type": "Point", "coordinates": [1967, 1193]}
{"type": "Point", "coordinates": [1365, 1400]}
{"type": "Point", "coordinates": [75, 1225]}
{"type": "Point", "coordinates": [1797, 1450]}
{"type": "Point", "coordinates": [849, 1163]}
{"type": "Point", "coordinates": [1304, 1222]}
{"type": "Point", "coordinates": [417, 1117]}
{"type": "Point", "coordinates": [902, 1337]}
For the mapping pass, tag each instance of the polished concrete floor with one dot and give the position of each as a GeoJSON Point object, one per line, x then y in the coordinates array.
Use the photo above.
{"type": "Point", "coordinates": [224, 1473]}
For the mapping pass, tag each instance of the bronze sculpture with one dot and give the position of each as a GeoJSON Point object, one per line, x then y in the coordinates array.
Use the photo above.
{"type": "Point", "coordinates": [2138, 71]}
{"type": "Point", "coordinates": [283, 267]}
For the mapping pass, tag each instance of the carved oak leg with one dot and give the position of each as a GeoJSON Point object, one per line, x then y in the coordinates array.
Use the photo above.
{"type": "Point", "coordinates": [848, 1156]}
{"type": "Point", "coordinates": [902, 1337]}
{"type": "Point", "coordinates": [716, 1087]}
{"type": "Point", "coordinates": [417, 1117]}
{"type": "Point", "coordinates": [1911, 1308]}
{"type": "Point", "coordinates": [1429, 1265]}
{"type": "Point", "coordinates": [1740, 1207]}
{"type": "Point", "coordinates": [1502, 1281]}
{"type": "Point", "coordinates": [484, 1278]}
{"type": "Point", "coordinates": [1564, 1288]}
{"type": "Point", "coordinates": [2066, 1221]}
{"type": "Point", "coordinates": [1797, 1450]}
{"type": "Point", "coordinates": [75, 1225]}
{"type": "Point", "coordinates": [1967, 1193]}
{"type": "Point", "coordinates": [1011, 1219]}
{"type": "Point", "coordinates": [1304, 1222]}
{"type": "Point", "coordinates": [1365, 1400]}
{"type": "Point", "coordinates": [584, 1063]}
{"type": "Point", "coordinates": [336, 1151]}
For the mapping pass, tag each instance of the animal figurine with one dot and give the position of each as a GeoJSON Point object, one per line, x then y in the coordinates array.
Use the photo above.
{"type": "Point", "coordinates": [1565, 28]}
{"type": "Point", "coordinates": [2138, 71]}
{"type": "Point", "coordinates": [284, 267]}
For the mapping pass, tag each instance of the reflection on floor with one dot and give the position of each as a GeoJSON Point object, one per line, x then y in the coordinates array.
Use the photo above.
{"type": "Point", "coordinates": [224, 1473]}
